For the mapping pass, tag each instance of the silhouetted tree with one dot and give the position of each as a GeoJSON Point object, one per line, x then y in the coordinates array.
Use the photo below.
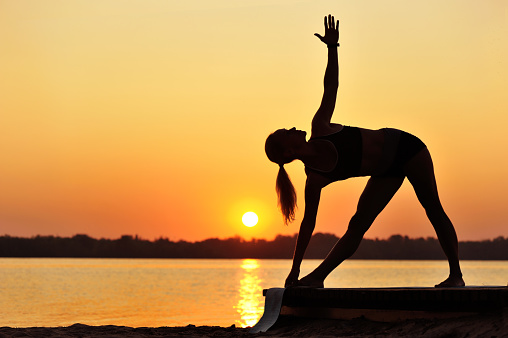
{"type": "Point", "coordinates": [127, 246]}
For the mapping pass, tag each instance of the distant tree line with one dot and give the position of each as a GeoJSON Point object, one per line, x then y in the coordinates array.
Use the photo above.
{"type": "Point", "coordinates": [395, 247]}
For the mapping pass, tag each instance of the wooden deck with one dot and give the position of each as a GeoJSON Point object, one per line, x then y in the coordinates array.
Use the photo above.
{"type": "Point", "coordinates": [382, 304]}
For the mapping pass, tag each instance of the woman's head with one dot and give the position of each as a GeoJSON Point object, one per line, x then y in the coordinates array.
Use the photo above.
{"type": "Point", "coordinates": [275, 147]}
{"type": "Point", "coordinates": [279, 149]}
{"type": "Point", "coordinates": [282, 145]}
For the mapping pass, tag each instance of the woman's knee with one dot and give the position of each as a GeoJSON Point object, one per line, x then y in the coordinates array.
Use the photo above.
{"type": "Point", "coordinates": [436, 214]}
{"type": "Point", "coordinates": [359, 224]}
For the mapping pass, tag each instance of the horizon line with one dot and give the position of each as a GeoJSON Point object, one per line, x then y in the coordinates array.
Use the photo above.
{"type": "Point", "coordinates": [137, 237]}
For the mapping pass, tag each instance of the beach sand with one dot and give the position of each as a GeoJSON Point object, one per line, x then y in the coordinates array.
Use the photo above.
{"type": "Point", "coordinates": [494, 325]}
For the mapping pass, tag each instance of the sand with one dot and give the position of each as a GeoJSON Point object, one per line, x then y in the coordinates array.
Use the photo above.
{"type": "Point", "coordinates": [477, 326]}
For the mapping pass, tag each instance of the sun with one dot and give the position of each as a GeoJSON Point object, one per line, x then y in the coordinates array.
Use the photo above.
{"type": "Point", "coordinates": [250, 219]}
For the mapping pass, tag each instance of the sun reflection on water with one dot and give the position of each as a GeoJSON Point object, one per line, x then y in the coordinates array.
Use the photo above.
{"type": "Point", "coordinates": [250, 304]}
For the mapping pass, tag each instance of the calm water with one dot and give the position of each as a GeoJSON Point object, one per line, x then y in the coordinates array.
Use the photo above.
{"type": "Point", "coordinates": [176, 292]}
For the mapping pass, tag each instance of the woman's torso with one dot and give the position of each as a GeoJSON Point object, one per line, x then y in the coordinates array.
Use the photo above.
{"type": "Point", "coordinates": [366, 149]}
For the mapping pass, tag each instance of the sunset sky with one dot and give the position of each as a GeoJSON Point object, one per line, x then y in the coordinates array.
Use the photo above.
{"type": "Point", "coordinates": [149, 117]}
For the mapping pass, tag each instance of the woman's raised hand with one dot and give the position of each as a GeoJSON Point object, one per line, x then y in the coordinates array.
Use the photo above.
{"type": "Point", "coordinates": [331, 37]}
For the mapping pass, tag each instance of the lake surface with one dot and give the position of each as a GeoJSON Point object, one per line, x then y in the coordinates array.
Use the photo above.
{"type": "Point", "coordinates": [178, 292]}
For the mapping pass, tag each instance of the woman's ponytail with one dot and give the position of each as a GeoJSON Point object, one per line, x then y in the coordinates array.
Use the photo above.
{"type": "Point", "coordinates": [286, 194]}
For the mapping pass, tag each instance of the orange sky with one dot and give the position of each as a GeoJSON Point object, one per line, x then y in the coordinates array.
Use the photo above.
{"type": "Point", "coordinates": [149, 117]}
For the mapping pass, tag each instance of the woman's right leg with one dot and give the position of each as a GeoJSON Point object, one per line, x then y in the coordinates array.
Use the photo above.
{"type": "Point", "coordinates": [420, 172]}
{"type": "Point", "coordinates": [376, 195]}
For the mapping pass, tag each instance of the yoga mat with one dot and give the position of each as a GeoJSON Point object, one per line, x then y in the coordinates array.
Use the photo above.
{"type": "Point", "coordinates": [273, 303]}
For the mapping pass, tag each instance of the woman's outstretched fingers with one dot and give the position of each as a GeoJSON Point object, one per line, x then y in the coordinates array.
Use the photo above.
{"type": "Point", "coordinates": [331, 36]}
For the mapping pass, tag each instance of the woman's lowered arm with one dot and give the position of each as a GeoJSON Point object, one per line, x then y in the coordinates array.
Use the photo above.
{"type": "Point", "coordinates": [312, 196]}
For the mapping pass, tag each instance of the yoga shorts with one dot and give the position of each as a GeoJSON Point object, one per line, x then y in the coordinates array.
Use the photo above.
{"type": "Point", "coordinates": [399, 148]}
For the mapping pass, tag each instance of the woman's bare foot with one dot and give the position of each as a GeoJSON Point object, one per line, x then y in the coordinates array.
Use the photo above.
{"type": "Point", "coordinates": [451, 282]}
{"type": "Point", "coordinates": [309, 282]}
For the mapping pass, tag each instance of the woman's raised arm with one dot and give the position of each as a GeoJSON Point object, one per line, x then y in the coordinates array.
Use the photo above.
{"type": "Point", "coordinates": [331, 81]}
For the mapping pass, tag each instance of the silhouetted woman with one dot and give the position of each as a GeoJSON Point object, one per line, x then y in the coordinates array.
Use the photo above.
{"type": "Point", "coordinates": [336, 152]}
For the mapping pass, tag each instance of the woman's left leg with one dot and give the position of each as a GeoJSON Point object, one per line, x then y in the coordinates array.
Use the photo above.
{"type": "Point", "coordinates": [420, 172]}
{"type": "Point", "coordinates": [376, 195]}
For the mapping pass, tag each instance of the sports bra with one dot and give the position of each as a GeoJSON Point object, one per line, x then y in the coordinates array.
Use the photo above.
{"type": "Point", "coordinates": [348, 144]}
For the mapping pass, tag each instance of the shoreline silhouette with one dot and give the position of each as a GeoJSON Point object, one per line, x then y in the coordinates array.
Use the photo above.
{"type": "Point", "coordinates": [396, 247]}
